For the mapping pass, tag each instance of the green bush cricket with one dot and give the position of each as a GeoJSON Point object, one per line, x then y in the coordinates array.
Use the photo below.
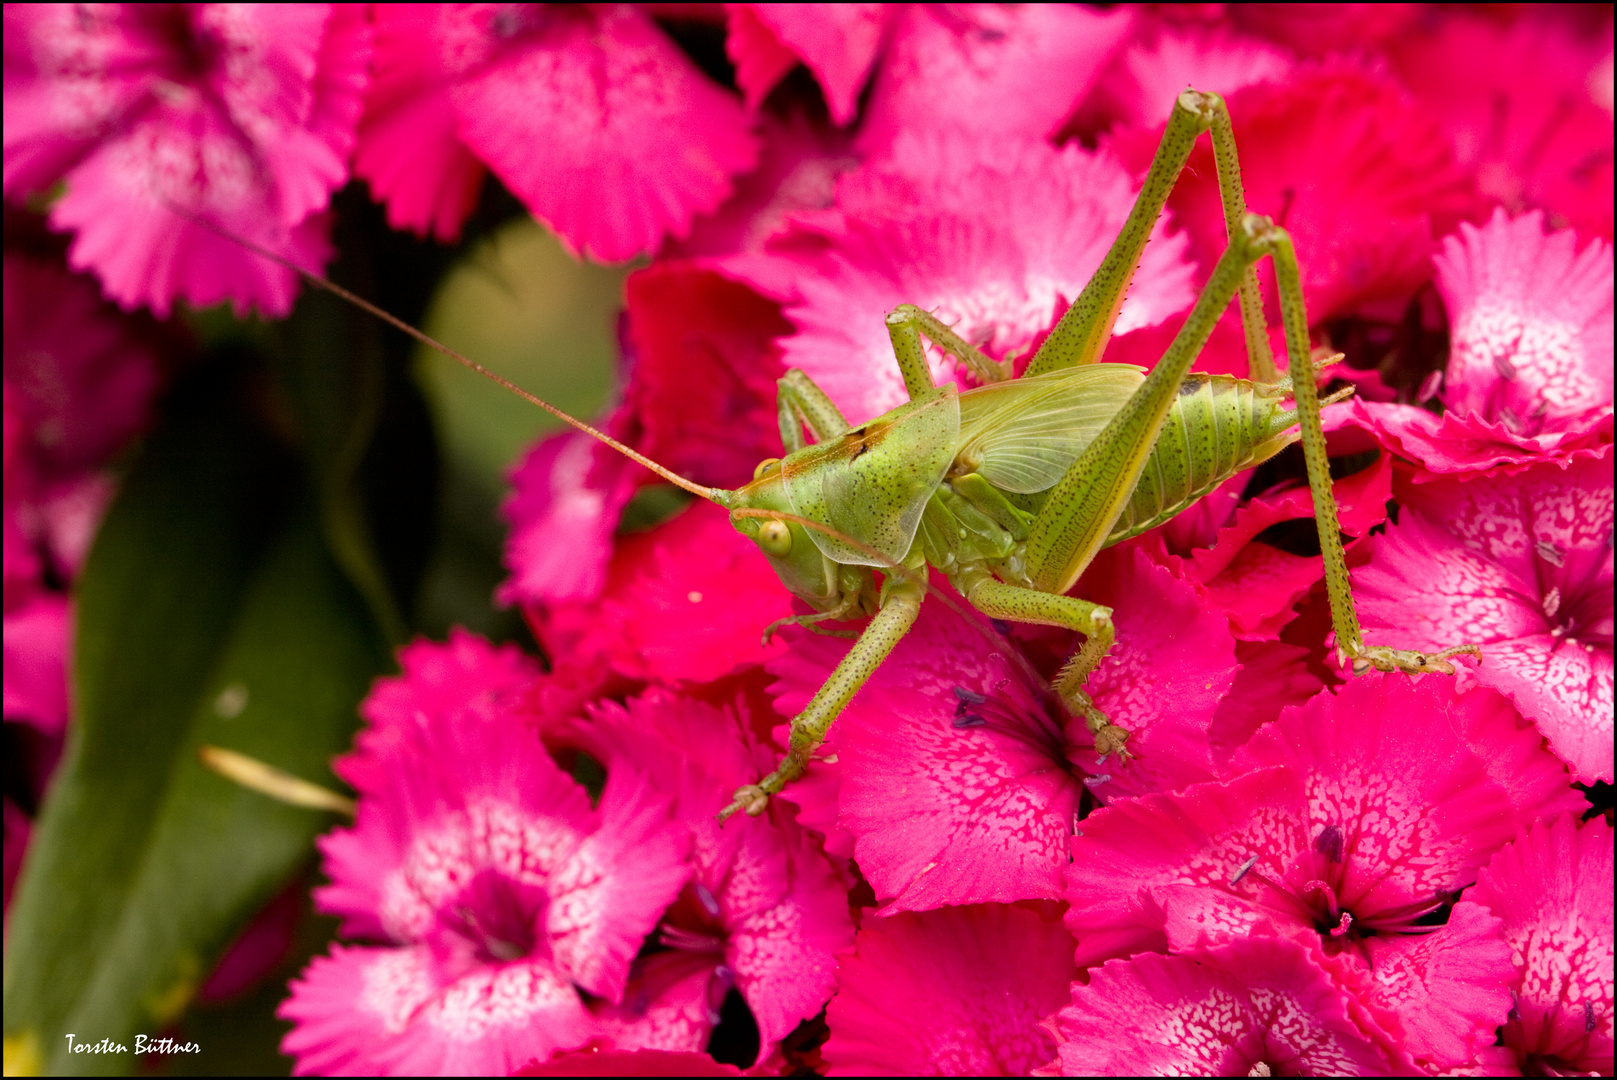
{"type": "Point", "coordinates": [1012, 488]}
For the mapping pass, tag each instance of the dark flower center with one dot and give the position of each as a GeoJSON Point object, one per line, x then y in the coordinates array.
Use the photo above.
{"type": "Point", "coordinates": [497, 917]}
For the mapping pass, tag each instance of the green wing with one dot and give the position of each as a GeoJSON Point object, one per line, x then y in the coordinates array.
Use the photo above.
{"type": "Point", "coordinates": [1023, 434]}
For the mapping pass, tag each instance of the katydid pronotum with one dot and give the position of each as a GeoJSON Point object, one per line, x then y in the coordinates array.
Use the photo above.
{"type": "Point", "coordinates": [1011, 489]}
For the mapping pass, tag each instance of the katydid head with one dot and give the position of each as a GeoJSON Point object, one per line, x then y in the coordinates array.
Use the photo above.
{"type": "Point", "coordinates": [855, 499]}
{"type": "Point", "coordinates": [762, 512]}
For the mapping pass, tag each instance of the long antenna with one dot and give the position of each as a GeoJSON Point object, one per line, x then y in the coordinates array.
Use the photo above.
{"type": "Point", "coordinates": [714, 495]}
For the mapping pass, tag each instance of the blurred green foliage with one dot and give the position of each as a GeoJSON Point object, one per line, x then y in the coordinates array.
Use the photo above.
{"type": "Point", "coordinates": [315, 492]}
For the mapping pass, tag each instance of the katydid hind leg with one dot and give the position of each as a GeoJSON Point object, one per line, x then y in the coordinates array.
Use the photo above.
{"type": "Point", "coordinates": [1078, 516]}
{"type": "Point", "coordinates": [1351, 649]}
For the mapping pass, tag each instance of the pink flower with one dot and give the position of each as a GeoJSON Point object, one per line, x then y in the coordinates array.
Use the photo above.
{"type": "Point", "coordinates": [702, 402]}
{"type": "Point", "coordinates": [1519, 100]}
{"type": "Point", "coordinates": [593, 1061]}
{"type": "Point", "coordinates": [764, 911]}
{"type": "Point", "coordinates": [1470, 443]}
{"type": "Point", "coordinates": [1212, 61]}
{"type": "Point", "coordinates": [954, 769]}
{"type": "Point", "coordinates": [1552, 888]}
{"type": "Point", "coordinates": [604, 130]}
{"type": "Point", "coordinates": [1531, 319]}
{"type": "Point", "coordinates": [957, 991]}
{"type": "Point", "coordinates": [837, 42]}
{"type": "Point", "coordinates": [1259, 585]}
{"type": "Point", "coordinates": [37, 634]}
{"type": "Point", "coordinates": [1345, 823]}
{"type": "Point", "coordinates": [500, 891]}
{"type": "Point", "coordinates": [436, 682]}
{"type": "Point", "coordinates": [83, 377]}
{"type": "Point", "coordinates": [1520, 564]}
{"type": "Point", "coordinates": [995, 73]}
{"type": "Point", "coordinates": [686, 602]}
{"type": "Point", "coordinates": [993, 238]}
{"type": "Point", "coordinates": [154, 116]}
{"type": "Point", "coordinates": [1245, 1006]}
{"type": "Point", "coordinates": [1365, 226]}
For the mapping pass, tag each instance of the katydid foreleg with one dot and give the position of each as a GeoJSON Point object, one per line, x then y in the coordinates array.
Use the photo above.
{"type": "Point", "coordinates": [900, 604]}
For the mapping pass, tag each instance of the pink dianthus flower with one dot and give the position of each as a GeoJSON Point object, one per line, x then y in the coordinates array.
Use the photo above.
{"type": "Point", "coordinates": [153, 116]}
{"type": "Point", "coordinates": [1250, 1007]}
{"type": "Point", "coordinates": [956, 991]}
{"type": "Point", "coordinates": [1531, 319]}
{"type": "Point", "coordinates": [764, 911]}
{"type": "Point", "coordinates": [1346, 823]}
{"type": "Point", "coordinates": [588, 113]}
{"type": "Point", "coordinates": [500, 892]}
{"type": "Point", "coordinates": [1520, 564]}
{"type": "Point", "coordinates": [1552, 888]}
{"type": "Point", "coordinates": [992, 237]}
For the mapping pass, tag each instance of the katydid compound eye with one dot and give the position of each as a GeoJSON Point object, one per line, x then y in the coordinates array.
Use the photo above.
{"type": "Point", "coordinates": [775, 538]}
{"type": "Point", "coordinates": [764, 466]}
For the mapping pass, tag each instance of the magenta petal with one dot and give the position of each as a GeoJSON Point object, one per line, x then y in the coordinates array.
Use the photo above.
{"type": "Point", "coordinates": [1174, 661]}
{"type": "Point", "coordinates": [995, 238]}
{"type": "Point", "coordinates": [837, 42]}
{"type": "Point", "coordinates": [80, 379]}
{"type": "Point", "coordinates": [1552, 888]}
{"type": "Point", "coordinates": [1364, 233]}
{"type": "Point", "coordinates": [37, 635]}
{"type": "Point", "coordinates": [1209, 837]}
{"type": "Point", "coordinates": [440, 679]}
{"type": "Point", "coordinates": [765, 911]}
{"type": "Point", "coordinates": [1471, 443]}
{"type": "Point", "coordinates": [569, 493]}
{"type": "Point", "coordinates": [387, 1011]}
{"type": "Point", "coordinates": [686, 602]}
{"type": "Point", "coordinates": [705, 364]}
{"type": "Point", "coordinates": [665, 1005]}
{"type": "Point", "coordinates": [761, 59]}
{"type": "Point", "coordinates": [1542, 141]}
{"type": "Point", "coordinates": [1532, 323]}
{"type": "Point", "coordinates": [1227, 1011]}
{"type": "Point", "coordinates": [407, 144]}
{"type": "Point", "coordinates": [1379, 743]}
{"type": "Point", "coordinates": [1522, 566]}
{"type": "Point", "coordinates": [596, 122]}
{"type": "Point", "coordinates": [242, 117]}
{"type": "Point", "coordinates": [955, 722]}
{"type": "Point", "coordinates": [957, 991]}
{"type": "Point", "coordinates": [610, 891]}
{"type": "Point", "coordinates": [1447, 990]}
{"type": "Point", "coordinates": [1215, 61]}
{"type": "Point", "coordinates": [988, 71]}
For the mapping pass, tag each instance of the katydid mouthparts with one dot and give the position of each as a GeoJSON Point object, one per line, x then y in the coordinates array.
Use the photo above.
{"type": "Point", "coordinates": [1011, 488]}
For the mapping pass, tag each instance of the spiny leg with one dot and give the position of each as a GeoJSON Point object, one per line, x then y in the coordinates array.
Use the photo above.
{"type": "Point", "coordinates": [905, 325]}
{"type": "Point", "coordinates": [1350, 646]}
{"type": "Point", "coordinates": [1081, 335]}
{"type": "Point", "coordinates": [998, 600]}
{"type": "Point", "coordinates": [1082, 507]}
{"type": "Point", "coordinates": [799, 402]}
{"type": "Point", "coordinates": [900, 605]}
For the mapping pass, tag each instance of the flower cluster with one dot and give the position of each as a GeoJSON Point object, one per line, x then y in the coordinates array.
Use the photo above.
{"type": "Point", "coordinates": [1301, 870]}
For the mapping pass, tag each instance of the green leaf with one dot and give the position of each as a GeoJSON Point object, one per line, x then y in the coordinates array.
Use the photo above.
{"type": "Point", "coordinates": [209, 612]}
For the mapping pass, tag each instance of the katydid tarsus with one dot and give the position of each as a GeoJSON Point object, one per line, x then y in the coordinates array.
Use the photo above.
{"type": "Point", "coordinates": [1011, 489]}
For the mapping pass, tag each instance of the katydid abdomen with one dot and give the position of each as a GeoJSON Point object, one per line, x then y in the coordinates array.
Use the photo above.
{"type": "Point", "coordinates": [1218, 426]}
